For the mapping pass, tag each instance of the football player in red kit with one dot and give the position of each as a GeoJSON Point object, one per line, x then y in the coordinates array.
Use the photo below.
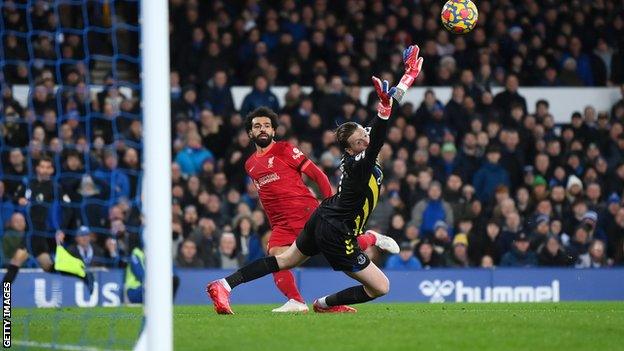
{"type": "Point", "coordinates": [276, 169]}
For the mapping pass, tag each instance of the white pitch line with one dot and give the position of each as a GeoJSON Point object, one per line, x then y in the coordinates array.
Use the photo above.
{"type": "Point", "coordinates": [67, 347]}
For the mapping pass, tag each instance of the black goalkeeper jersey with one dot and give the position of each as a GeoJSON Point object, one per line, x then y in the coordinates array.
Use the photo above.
{"type": "Point", "coordinates": [358, 192]}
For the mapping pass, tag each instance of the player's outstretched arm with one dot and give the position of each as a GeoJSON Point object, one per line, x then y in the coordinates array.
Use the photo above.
{"type": "Point", "coordinates": [379, 126]}
{"type": "Point", "coordinates": [413, 66]}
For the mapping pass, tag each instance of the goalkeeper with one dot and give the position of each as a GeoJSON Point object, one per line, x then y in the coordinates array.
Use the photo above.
{"type": "Point", "coordinates": [332, 228]}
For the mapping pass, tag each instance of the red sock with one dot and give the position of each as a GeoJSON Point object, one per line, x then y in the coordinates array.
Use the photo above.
{"type": "Point", "coordinates": [285, 282]}
{"type": "Point", "coordinates": [366, 240]}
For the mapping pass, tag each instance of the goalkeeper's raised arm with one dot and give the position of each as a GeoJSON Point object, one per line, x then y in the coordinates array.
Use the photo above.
{"type": "Point", "coordinates": [413, 65]}
{"type": "Point", "coordinates": [378, 127]}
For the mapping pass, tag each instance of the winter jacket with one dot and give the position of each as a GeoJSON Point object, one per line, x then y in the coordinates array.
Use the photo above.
{"type": "Point", "coordinates": [487, 178]}
{"type": "Point", "coordinates": [515, 258]}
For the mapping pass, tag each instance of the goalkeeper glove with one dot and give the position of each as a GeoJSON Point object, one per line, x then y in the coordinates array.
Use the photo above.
{"type": "Point", "coordinates": [384, 107]}
{"type": "Point", "coordinates": [413, 65]}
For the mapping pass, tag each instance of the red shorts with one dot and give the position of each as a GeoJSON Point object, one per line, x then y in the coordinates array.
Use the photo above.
{"type": "Point", "coordinates": [285, 233]}
{"type": "Point", "coordinates": [283, 236]}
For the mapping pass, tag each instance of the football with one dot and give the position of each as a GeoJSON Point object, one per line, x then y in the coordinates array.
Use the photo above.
{"type": "Point", "coordinates": [459, 16]}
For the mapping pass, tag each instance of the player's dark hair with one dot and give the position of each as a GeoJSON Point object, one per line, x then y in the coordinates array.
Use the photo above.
{"type": "Point", "coordinates": [343, 132]}
{"type": "Point", "coordinates": [261, 111]}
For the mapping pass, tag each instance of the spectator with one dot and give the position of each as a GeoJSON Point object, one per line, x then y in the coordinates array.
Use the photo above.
{"type": "Point", "coordinates": [459, 255]}
{"type": "Point", "coordinates": [235, 157]}
{"type": "Point", "coordinates": [449, 160]}
{"type": "Point", "coordinates": [218, 94]}
{"type": "Point", "coordinates": [428, 257]}
{"type": "Point", "coordinates": [404, 260]}
{"type": "Point", "coordinates": [15, 172]}
{"type": "Point", "coordinates": [551, 254]}
{"type": "Point", "coordinates": [228, 255]}
{"type": "Point", "coordinates": [582, 62]}
{"type": "Point", "coordinates": [455, 113]}
{"type": "Point", "coordinates": [441, 238]}
{"type": "Point", "coordinates": [114, 178]}
{"type": "Point", "coordinates": [186, 108]}
{"type": "Point", "coordinates": [261, 95]}
{"type": "Point", "coordinates": [453, 195]}
{"type": "Point", "coordinates": [192, 157]}
{"type": "Point", "coordinates": [580, 242]}
{"type": "Point", "coordinates": [206, 239]}
{"type": "Point", "coordinates": [187, 256]}
{"type": "Point", "coordinates": [13, 237]}
{"type": "Point", "coordinates": [213, 210]}
{"type": "Point", "coordinates": [569, 73]}
{"type": "Point", "coordinates": [468, 160]}
{"type": "Point", "coordinates": [424, 113]}
{"type": "Point", "coordinates": [190, 220]}
{"type": "Point", "coordinates": [91, 254]}
{"type": "Point", "coordinates": [247, 239]}
{"type": "Point", "coordinates": [131, 167]}
{"type": "Point", "coordinates": [540, 234]}
{"type": "Point", "coordinates": [428, 211]}
{"type": "Point", "coordinates": [6, 207]}
{"type": "Point", "coordinates": [561, 206]}
{"type": "Point", "coordinates": [504, 100]}
{"type": "Point", "coordinates": [212, 132]}
{"type": "Point", "coordinates": [590, 221]}
{"type": "Point", "coordinates": [520, 256]}
{"type": "Point", "coordinates": [512, 156]}
{"type": "Point", "coordinates": [615, 233]}
{"type": "Point", "coordinates": [487, 262]}
{"type": "Point", "coordinates": [487, 243]}
{"type": "Point", "coordinates": [490, 175]}
{"type": "Point", "coordinates": [102, 127]}
{"type": "Point", "coordinates": [595, 257]}
{"type": "Point", "coordinates": [435, 128]}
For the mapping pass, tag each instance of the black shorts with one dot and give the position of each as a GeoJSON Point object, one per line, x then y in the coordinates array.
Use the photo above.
{"type": "Point", "coordinates": [37, 244]}
{"type": "Point", "coordinates": [340, 249]}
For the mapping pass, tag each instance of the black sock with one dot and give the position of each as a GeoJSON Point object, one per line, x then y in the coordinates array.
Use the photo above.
{"type": "Point", "coordinates": [256, 269]}
{"type": "Point", "coordinates": [348, 296]}
{"type": "Point", "coordinates": [11, 273]}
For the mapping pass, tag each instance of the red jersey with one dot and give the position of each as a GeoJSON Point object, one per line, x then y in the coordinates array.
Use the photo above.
{"type": "Point", "coordinates": [276, 173]}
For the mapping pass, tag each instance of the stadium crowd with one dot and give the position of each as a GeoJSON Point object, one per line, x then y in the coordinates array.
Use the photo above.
{"type": "Point", "coordinates": [479, 180]}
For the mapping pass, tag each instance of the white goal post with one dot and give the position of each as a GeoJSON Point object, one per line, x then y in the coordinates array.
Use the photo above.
{"type": "Point", "coordinates": [154, 48]}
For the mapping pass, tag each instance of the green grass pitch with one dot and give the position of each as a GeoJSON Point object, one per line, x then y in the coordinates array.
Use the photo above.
{"type": "Point", "coordinates": [383, 326]}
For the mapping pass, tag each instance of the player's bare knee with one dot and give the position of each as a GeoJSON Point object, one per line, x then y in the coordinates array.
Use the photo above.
{"type": "Point", "coordinates": [385, 286]}
{"type": "Point", "coordinates": [285, 261]}
{"type": "Point", "coordinates": [379, 289]}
